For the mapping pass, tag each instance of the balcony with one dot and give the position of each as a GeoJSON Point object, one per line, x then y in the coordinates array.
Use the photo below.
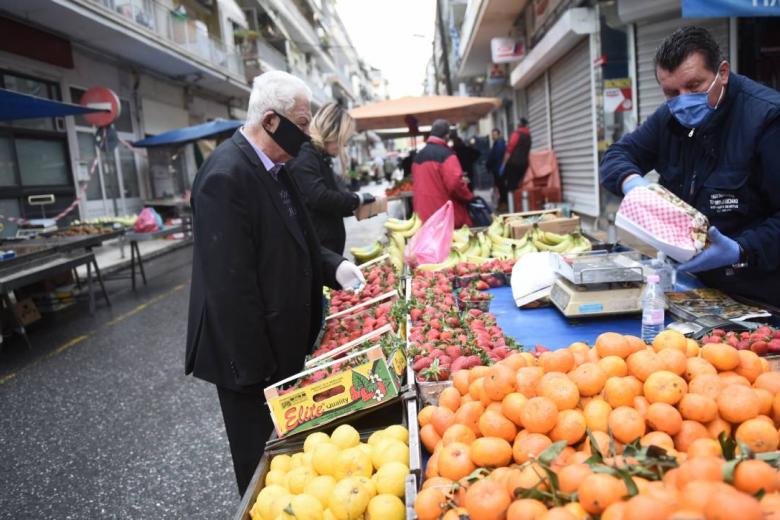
{"type": "Point", "coordinates": [145, 33]}
{"type": "Point", "coordinates": [260, 56]}
{"type": "Point", "coordinates": [189, 35]}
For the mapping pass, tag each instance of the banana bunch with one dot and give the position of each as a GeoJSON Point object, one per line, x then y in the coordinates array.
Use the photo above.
{"type": "Point", "coordinates": [367, 253]}
{"type": "Point", "coordinates": [557, 243]}
{"type": "Point", "coordinates": [406, 228]}
{"type": "Point", "coordinates": [505, 248]}
{"type": "Point", "coordinates": [452, 260]}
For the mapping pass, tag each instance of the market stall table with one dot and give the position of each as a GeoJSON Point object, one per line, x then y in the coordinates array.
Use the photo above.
{"type": "Point", "coordinates": [135, 253]}
{"type": "Point", "coordinates": [546, 326]}
{"type": "Point", "coordinates": [22, 274]}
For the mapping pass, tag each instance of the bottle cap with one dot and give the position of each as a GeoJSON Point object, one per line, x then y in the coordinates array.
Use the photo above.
{"type": "Point", "coordinates": [652, 278]}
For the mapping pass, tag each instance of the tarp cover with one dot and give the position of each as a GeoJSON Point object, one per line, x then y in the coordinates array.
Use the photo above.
{"type": "Point", "coordinates": [393, 112]}
{"type": "Point", "coordinates": [14, 105]}
{"type": "Point", "coordinates": [190, 133]}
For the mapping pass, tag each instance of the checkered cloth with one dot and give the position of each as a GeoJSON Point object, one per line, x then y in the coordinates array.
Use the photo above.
{"type": "Point", "coordinates": [664, 216]}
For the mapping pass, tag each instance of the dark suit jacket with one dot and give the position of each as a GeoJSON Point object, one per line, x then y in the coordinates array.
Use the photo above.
{"type": "Point", "coordinates": [327, 201]}
{"type": "Point", "coordinates": [256, 298]}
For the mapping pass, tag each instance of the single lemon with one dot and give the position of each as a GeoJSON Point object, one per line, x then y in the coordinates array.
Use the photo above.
{"type": "Point", "coordinates": [390, 451]}
{"type": "Point", "coordinates": [349, 500]}
{"type": "Point", "coordinates": [391, 479]}
{"type": "Point", "coordinates": [278, 505]}
{"type": "Point", "coordinates": [398, 432]}
{"type": "Point", "coordinates": [375, 438]}
{"type": "Point", "coordinates": [345, 436]}
{"type": "Point", "coordinates": [281, 463]}
{"type": "Point", "coordinates": [320, 488]}
{"type": "Point", "coordinates": [314, 439]}
{"type": "Point", "coordinates": [386, 507]}
{"type": "Point", "coordinates": [262, 507]}
{"type": "Point", "coordinates": [352, 462]}
{"type": "Point", "coordinates": [303, 507]}
{"type": "Point", "coordinates": [276, 476]}
{"type": "Point", "coordinates": [368, 484]}
{"type": "Point", "coordinates": [324, 458]}
{"type": "Point", "coordinates": [298, 478]}
{"type": "Point", "coordinates": [296, 461]}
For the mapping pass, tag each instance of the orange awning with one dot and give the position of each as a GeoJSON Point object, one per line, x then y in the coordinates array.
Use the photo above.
{"type": "Point", "coordinates": [392, 113]}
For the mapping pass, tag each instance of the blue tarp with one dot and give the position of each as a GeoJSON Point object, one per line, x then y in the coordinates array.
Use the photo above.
{"type": "Point", "coordinates": [190, 133]}
{"type": "Point", "coordinates": [14, 105]}
{"type": "Point", "coordinates": [721, 8]}
{"type": "Point", "coordinates": [548, 327]}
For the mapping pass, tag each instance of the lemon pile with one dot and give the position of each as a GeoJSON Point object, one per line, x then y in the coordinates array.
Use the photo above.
{"type": "Point", "coordinates": [337, 477]}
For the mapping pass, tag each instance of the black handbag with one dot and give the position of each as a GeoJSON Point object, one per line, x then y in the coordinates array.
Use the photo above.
{"type": "Point", "coordinates": [480, 212]}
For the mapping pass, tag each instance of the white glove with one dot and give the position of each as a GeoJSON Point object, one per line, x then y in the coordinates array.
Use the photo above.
{"type": "Point", "coordinates": [349, 276]}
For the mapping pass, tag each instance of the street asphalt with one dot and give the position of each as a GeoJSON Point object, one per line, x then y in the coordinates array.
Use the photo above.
{"type": "Point", "coordinates": [98, 419]}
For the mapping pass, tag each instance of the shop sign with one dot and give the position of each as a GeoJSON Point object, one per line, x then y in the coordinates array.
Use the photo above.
{"type": "Point", "coordinates": [722, 8]}
{"type": "Point", "coordinates": [506, 50]}
{"type": "Point", "coordinates": [617, 95]}
{"type": "Point", "coordinates": [496, 74]}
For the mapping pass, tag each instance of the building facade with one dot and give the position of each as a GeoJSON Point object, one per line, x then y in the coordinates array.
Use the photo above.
{"type": "Point", "coordinates": [172, 63]}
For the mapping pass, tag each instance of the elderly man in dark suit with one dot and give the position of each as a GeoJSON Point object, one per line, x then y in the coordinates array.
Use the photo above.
{"type": "Point", "coordinates": [258, 269]}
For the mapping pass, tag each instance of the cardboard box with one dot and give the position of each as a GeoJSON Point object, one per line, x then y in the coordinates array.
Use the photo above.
{"type": "Point", "coordinates": [560, 224]}
{"type": "Point", "coordinates": [371, 210]}
{"type": "Point", "coordinates": [357, 382]}
{"type": "Point", "coordinates": [26, 311]}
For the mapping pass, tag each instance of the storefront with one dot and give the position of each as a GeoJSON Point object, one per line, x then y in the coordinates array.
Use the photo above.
{"type": "Point", "coordinates": [558, 80]}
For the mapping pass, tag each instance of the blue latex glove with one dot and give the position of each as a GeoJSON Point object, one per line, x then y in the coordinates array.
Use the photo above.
{"type": "Point", "coordinates": [501, 170]}
{"type": "Point", "coordinates": [722, 251]}
{"type": "Point", "coordinates": [634, 182]}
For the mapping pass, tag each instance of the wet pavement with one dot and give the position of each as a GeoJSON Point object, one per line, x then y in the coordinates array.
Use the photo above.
{"type": "Point", "coordinates": [98, 419]}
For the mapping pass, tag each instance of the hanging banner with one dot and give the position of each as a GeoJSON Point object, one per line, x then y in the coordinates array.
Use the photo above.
{"type": "Point", "coordinates": [506, 50]}
{"type": "Point", "coordinates": [496, 74]}
{"type": "Point", "coordinates": [721, 8]}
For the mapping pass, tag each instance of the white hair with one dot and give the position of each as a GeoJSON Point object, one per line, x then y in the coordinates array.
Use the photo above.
{"type": "Point", "coordinates": [274, 90]}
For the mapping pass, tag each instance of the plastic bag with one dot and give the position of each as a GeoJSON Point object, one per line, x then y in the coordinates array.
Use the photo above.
{"type": "Point", "coordinates": [431, 244]}
{"type": "Point", "coordinates": [532, 278]}
{"type": "Point", "coordinates": [148, 221]}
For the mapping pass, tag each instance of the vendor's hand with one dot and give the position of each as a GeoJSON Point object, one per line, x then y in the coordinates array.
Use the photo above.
{"type": "Point", "coordinates": [633, 181]}
{"type": "Point", "coordinates": [349, 276]}
{"type": "Point", "coordinates": [721, 252]}
{"type": "Point", "coordinates": [366, 198]}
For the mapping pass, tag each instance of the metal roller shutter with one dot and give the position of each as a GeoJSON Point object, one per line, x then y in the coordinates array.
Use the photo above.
{"type": "Point", "coordinates": [537, 114]}
{"type": "Point", "coordinates": [572, 129]}
{"type": "Point", "coordinates": [648, 37]}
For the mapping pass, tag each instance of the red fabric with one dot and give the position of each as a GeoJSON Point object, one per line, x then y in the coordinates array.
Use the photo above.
{"type": "Point", "coordinates": [514, 138]}
{"type": "Point", "coordinates": [437, 180]}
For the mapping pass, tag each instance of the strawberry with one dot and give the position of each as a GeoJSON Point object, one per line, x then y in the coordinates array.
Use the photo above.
{"type": "Point", "coordinates": [454, 351]}
{"type": "Point", "coordinates": [460, 363]}
{"type": "Point", "coordinates": [422, 364]}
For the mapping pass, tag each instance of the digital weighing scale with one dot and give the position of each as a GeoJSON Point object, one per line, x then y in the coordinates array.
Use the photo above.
{"type": "Point", "coordinates": [597, 283]}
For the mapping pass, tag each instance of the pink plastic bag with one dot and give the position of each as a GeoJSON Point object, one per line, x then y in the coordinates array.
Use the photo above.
{"type": "Point", "coordinates": [431, 244]}
{"type": "Point", "coordinates": [147, 221]}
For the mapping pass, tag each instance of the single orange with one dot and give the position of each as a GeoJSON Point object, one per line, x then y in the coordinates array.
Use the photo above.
{"type": "Point", "coordinates": [612, 344]}
{"type": "Point", "coordinates": [491, 452]}
{"type": "Point", "coordinates": [539, 415]}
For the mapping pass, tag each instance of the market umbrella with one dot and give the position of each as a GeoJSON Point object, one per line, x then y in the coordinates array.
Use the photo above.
{"type": "Point", "coordinates": [14, 105]}
{"type": "Point", "coordinates": [190, 133]}
{"type": "Point", "coordinates": [394, 113]}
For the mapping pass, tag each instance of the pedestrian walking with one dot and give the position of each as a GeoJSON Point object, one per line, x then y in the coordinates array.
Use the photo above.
{"type": "Point", "coordinates": [258, 269]}
{"type": "Point", "coordinates": [493, 164]}
{"type": "Point", "coordinates": [326, 196]}
{"type": "Point", "coordinates": [467, 156]}
{"type": "Point", "coordinates": [438, 177]}
{"type": "Point", "coordinates": [516, 160]}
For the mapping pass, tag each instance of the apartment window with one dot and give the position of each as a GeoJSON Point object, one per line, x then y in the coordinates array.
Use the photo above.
{"type": "Point", "coordinates": [42, 162]}
{"type": "Point", "coordinates": [31, 87]}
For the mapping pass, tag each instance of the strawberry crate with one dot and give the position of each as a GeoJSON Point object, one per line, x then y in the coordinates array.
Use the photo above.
{"type": "Point", "coordinates": [470, 298]}
{"type": "Point", "coordinates": [365, 304]}
{"type": "Point", "coordinates": [322, 394]}
{"type": "Point", "coordinates": [481, 281]}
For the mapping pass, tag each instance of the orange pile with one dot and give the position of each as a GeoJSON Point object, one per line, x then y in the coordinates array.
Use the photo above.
{"type": "Point", "coordinates": [673, 394]}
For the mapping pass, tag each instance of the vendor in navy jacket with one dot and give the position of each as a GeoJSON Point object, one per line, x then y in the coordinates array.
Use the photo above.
{"type": "Point", "coordinates": [716, 144]}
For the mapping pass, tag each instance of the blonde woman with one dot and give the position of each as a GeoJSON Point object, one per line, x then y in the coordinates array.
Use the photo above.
{"type": "Point", "coordinates": [326, 197]}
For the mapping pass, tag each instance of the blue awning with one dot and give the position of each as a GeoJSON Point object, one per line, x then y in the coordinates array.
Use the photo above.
{"type": "Point", "coordinates": [14, 105]}
{"type": "Point", "coordinates": [190, 133]}
{"type": "Point", "coordinates": [721, 8]}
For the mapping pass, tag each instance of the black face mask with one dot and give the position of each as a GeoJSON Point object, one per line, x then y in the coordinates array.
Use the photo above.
{"type": "Point", "coordinates": [288, 135]}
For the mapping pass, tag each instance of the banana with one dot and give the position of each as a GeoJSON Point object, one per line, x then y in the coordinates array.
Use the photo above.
{"type": "Point", "coordinates": [552, 238]}
{"type": "Point", "coordinates": [562, 247]}
{"type": "Point", "coordinates": [416, 225]}
{"type": "Point", "coordinates": [365, 254]}
{"type": "Point", "coordinates": [479, 260]}
{"type": "Point", "coordinates": [393, 224]}
{"type": "Point", "coordinates": [461, 235]}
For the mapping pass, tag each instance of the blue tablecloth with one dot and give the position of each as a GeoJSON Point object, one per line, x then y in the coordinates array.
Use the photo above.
{"type": "Point", "coordinates": [548, 327]}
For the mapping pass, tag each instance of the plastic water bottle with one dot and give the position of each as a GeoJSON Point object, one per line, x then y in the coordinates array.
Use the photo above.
{"type": "Point", "coordinates": [653, 304]}
{"type": "Point", "coordinates": [666, 273]}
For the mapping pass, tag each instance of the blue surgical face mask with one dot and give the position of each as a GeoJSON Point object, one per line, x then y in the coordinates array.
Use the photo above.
{"type": "Point", "coordinates": [692, 110]}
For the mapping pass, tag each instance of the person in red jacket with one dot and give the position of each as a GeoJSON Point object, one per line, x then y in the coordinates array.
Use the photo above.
{"type": "Point", "coordinates": [438, 177]}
